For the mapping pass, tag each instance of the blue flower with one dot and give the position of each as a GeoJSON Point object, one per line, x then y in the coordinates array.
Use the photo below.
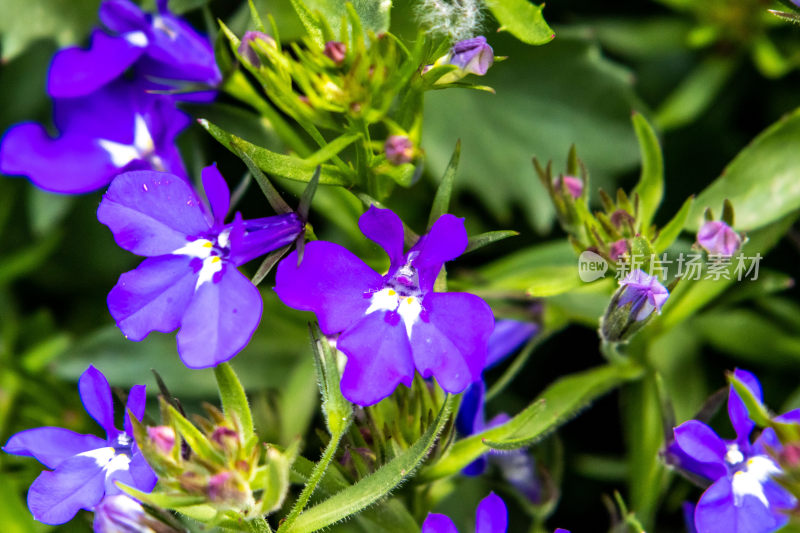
{"type": "Point", "coordinates": [392, 324]}
{"type": "Point", "coordinates": [189, 279]}
{"type": "Point", "coordinates": [743, 496]}
{"type": "Point", "coordinates": [84, 468]}
{"type": "Point", "coordinates": [490, 517]}
{"type": "Point", "coordinates": [108, 122]}
{"type": "Point", "coordinates": [643, 292]}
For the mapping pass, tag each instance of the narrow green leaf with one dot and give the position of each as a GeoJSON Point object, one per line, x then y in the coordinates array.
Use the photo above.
{"type": "Point", "coordinates": [234, 400]}
{"type": "Point", "coordinates": [310, 21]}
{"type": "Point", "coordinates": [695, 93]}
{"type": "Point", "coordinates": [673, 228]}
{"type": "Point", "coordinates": [441, 202]}
{"type": "Point", "coordinates": [286, 166]}
{"type": "Point", "coordinates": [375, 486]}
{"type": "Point", "coordinates": [651, 181]}
{"type": "Point", "coordinates": [163, 500]}
{"type": "Point", "coordinates": [522, 19]}
{"type": "Point", "coordinates": [484, 239]}
{"type": "Point", "coordinates": [560, 402]}
{"type": "Point", "coordinates": [772, 159]}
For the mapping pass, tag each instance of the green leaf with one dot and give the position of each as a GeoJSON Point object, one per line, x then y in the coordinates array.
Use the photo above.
{"type": "Point", "coordinates": [373, 14]}
{"type": "Point", "coordinates": [538, 110]}
{"type": "Point", "coordinates": [24, 21]}
{"type": "Point", "coordinates": [180, 7]}
{"type": "Point", "coordinates": [163, 500]}
{"type": "Point", "coordinates": [670, 232]}
{"type": "Point", "coordinates": [441, 202]}
{"type": "Point", "coordinates": [695, 93]}
{"type": "Point", "coordinates": [761, 182]}
{"type": "Point", "coordinates": [559, 403]}
{"type": "Point", "coordinates": [234, 400]}
{"type": "Point", "coordinates": [46, 210]}
{"type": "Point", "coordinates": [375, 486]}
{"type": "Point", "coordinates": [194, 437]}
{"type": "Point", "coordinates": [484, 239]}
{"type": "Point", "coordinates": [651, 181]}
{"type": "Point", "coordinates": [522, 19]}
{"type": "Point", "coordinates": [285, 166]}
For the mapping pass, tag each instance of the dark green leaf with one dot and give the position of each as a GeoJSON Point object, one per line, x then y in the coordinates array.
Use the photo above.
{"type": "Point", "coordinates": [651, 181]}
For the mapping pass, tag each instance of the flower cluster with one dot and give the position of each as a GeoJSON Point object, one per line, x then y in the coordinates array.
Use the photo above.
{"type": "Point", "coordinates": [104, 108]}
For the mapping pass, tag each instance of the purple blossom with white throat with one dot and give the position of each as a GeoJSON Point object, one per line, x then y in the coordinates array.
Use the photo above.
{"type": "Point", "coordinates": [189, 279]}
{"type": "Point", "coordinates": [644, 292]}
{"type": "Point", "coordinates": [743, 495]}
{"type": "Point", "coordinates": [83, 469]}
{"type": "Point", "coordinates": [391, 324]}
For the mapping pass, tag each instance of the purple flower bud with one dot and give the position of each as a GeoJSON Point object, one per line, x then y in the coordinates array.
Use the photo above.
{"type": "Point", "coordinates": [399, 149]}
{"type": "Point", "coordinates": [621, 217]}
{"type": "Point", "coordinates": [472, 56]}
{"type": "Point", "coordinates": [618, 249]}
{"type": "Point", "coordinates": [163, 437]}
{"type": "Point", "coordinates": [246, 48]}
{"type": "Point", "coordinates": [574, 185]}
{"type": "Point", "coordinates": [226, 488]}
{"type": "Point", "coordinates": [336, 51]}
{"type": "Point", "coordinates": [644, 292]}
{"type": "Point", "coordinates": [121, 513]}
{"type": "Point", "coordinates": [226, 437]}
{"type": "Point", "coordinates": [718, 238]}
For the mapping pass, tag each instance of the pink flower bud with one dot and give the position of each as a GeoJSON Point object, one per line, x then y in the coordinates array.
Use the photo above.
{"type": "Point", "coordinates": [163, 437]}
{"type": "Point", "coordinates": [618, 249]}
{"type": "Point", "coordinates": [574, 185]}
{"type": "Point", "coordinates": [336, 51]}
{"type": "Point", "coordinates": [246, 48]}
{"type": "Point", "coordinates": [717, 238]}
{"type": "Point", "coordinates": [399, 149]}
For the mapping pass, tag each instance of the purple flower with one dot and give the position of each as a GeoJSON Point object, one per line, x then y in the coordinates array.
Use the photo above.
{"type": "Point", "coordinates": [122, 514]}
{"type": "Point", "coordinates": [246, 46]}
{"type": "Point", "coordinates": [391, 324]}
{"type": "Point", "coordinates": [490, 517]}
{"type": "Point", "coordinates": [617, 249]}
{"type": "Point", "coordinates": [506, 338]}
{"type": "Point", "coordinates": [335, 51]}
{"type": "Point", "coordinates": [717, 238]}
{"type": "Point", "coordinates": [189, 279]}
{"type": "Point", "coordinates": [644, 293]}
{"type": "Point", "coordinates": [84, 468]}
{"type": "Point", "coordinates": [399, 149]}
{"type": "Point", "coordinates": [118, 127]}
{"type": "Point", "coordinates": [573, 185]}
{"type": "Point", "coordinates": [742, 497]}
{"type": "Point", "coordinates": [108, 122]}
{"type": "Point", "coordinates": [472, 56]}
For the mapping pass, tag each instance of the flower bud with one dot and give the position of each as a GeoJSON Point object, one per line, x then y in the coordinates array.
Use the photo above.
{"type": "Point", "coordinates": [399, 149]}
{"type": "Point", "coordinates": [122, 514]}
{"type": "Point", "coordinates": [718, 238]}
{"type": "Point", "coordinates": [163, 437]}
{"type": "Point", "coordinates": [618, 249]}
{"type": "Point", "coordinates": [336, 51]}
{"type": "Point", "coordinates": [226, 488]}
{"type": "Point", "coordinates": [638, 296]}
{"type": "Point", "coordinates": [226, 438]}
{"type": "Point", "coordinates": [471, 56]}
{"type": "Point", "coordinates": [246, 48]}
{"type": "Point", "coordinates": [573, 185]}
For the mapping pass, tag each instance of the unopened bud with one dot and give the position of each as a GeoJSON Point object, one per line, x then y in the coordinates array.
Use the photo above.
{"type": "Point", "coordinates": [226, 488]}
{"type": "Point", "coordinates": [399, 149]}
{"type": "Point", "coordinates": [246, 46]}
{"type": "Point", "coordinates": [618, 249]}
{"type": "Point", "coordinates": [336, 51]}
{"type": "Point", "coordinates": [226, 438]}
{"type": "Point", "coordinates": [573, 185]}
{"type": "Point", "coordinates": [163, 437]}
{"type": "Point", "coordinates": [638, 296]}
{"type": "Point", "coordinates": [120, 513]}
{"type": "Point", "coordinates": [718, 238]}
{"type": "Point", "coordinates": [471, 56]}
{"type": "Point", "coordinates": [621, 218]}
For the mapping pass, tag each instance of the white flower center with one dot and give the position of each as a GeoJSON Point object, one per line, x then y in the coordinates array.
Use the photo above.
{"type": "Point", "coordinates": [205, 250]}
{"type": "Point", "coordinates": [143, 147]}
{"type": "Point", "coordinates": [388, 299]}
{"type": "Point", "coordinates": [750, 480]}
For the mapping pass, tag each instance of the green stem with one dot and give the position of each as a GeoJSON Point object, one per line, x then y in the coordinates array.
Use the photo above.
{"type": "Point", "coordinates": [514, 368]}
{"type": "Point", "coordinates": [313, 480]}
{"type": "Point", "coordinates": [260, 525]}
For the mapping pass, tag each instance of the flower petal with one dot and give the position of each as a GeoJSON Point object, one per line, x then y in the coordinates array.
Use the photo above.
{"type": "Point", "coordinates": [137, 397]}
{"type": "Point", "coordinates": [378, 358]}
{"type": "Point", "coordinates": [717, 510]}
{"type": "Point", "coordinates": [71, 164]}
{"type": "Point", "coordinates": [385, 228]}
{"type": "Point", "coordinates": [507, 336]}
{"type": "Point", "coordinates": [451, 343]}
{"type": "Point", "coordinates": [700, 443]}
{"type": "Point", "coordinates": [438, 523]}
{"type": "Point", "coordinates": [97, 400]}
{"type": "Point", "coordinates": [122, 16]}
{"type": "Point", "coordinates": [492, 515]}
{"type": "Point", "coordinates": [736, 410]}
{"type": "Point", "coordinates": [220, 320]}
{"type": "Point", "coordinates": [78, 483]}
{"type": "Point", "coordinates": [153, 297]}
{"type": "Point", "coordinates": [143, 476]}
{"type": "Point", "coordinates": [471, 418]}
{"type": "Point", "coordinates": [151, 213]}
{"type": "Point", "coordinates": [217, 192]}
{"type": "Point", "coordinates": [264, 235]}
{"type": "Point", "coordinates": [446, 240]}
{"type": "Point", "coordinates": [331, 282]}
{"type": "Point", "coordinates": [50, 445]}
{"type": "Point", "coordinates": [77, 72]}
